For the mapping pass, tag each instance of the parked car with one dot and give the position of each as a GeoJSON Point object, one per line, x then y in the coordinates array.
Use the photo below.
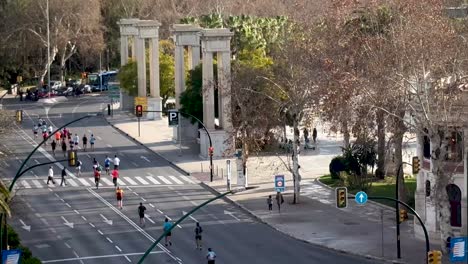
{"type": "Point", "coordinates": [43, 93]}
{"type": "Point", "coordinates": [65, 91]}
{"type": "Point", "coordinates": [56, 85]}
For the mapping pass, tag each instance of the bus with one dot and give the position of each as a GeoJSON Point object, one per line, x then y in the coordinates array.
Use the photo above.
{"type": "Point", "coordinates": [100, 82]}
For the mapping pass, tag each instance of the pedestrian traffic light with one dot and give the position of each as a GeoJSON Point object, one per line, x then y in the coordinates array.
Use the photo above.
{"type": "Point", "coordinates": [341, 197]}
{"type": "Point", "coordinates": [210, 151]}
{"type": "Point", "coordinates": [19, 116]}
{"type": "Point", "coordinates": [139, 110]}
{"type": "Point", "coordinates": [403, 215]}
{"type": "Point", "coordinates": [434, 257]}
{"type": "Point", "coordinates": [72, 158]}
{"type": "Point", "coordinates": [416, 165]}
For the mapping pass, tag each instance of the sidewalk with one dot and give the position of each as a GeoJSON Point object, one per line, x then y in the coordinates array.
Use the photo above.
{"type": "Point", "coordinates": [367, 230]}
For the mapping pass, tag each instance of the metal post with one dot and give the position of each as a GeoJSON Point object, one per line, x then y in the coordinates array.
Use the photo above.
{"type": "Point", "coordinates": [138, 126]}
{"type": "Point", "coordinates": [382, 237]}
{"type": "Point", "coordinates": [100, 71]}
{"type": "Point", "coordinates": [48, 48]}
{"type": "Point", "coordinates": [179, 132]}
{"type": "Point", "coordinates": [397, 213]}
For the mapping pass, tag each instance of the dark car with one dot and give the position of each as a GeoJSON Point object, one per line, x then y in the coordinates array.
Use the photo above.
{"type": "Point", "coordinates": [64, 91]}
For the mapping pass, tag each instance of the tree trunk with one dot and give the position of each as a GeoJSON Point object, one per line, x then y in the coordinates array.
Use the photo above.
{"type": "Point", "coordinates": [51, 59]}
{"type": "Point", "coordinates": [398, 144]}
{"type": "Point", "coordinates": [295, 161]}
{"type": "Point", "coordinates": [441, 180]}
{"type": "Point", "coordinates": [380, 172]}
{"type": "Point", "coordinates": [345, 130]}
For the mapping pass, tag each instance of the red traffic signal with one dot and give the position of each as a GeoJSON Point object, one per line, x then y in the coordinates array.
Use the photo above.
{"type": "Point", "coordinates": [139, 110]}
{"type": "Point", "coordinates": [210, 151]}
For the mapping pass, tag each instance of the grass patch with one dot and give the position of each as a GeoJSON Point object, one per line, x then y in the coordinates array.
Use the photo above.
{"type": "Point", "coordinates": [384, 188]}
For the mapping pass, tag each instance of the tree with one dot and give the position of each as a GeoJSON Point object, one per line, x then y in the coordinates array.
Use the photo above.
{"type": "Point", "coordinates": [191, 99]}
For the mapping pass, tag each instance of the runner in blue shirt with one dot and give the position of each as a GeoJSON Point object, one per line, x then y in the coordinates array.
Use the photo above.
{"type": "Point", "coordinates": [107, 162]}
{"type": "Point", "coordinates": [167, 225]}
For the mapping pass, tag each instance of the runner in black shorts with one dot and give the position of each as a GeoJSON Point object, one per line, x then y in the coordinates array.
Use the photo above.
{"type": "Point", "coordinates": [198, 238]}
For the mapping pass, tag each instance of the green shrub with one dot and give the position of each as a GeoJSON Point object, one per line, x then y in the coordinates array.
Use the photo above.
{"type": "Point", "coordinates": [337, 165]}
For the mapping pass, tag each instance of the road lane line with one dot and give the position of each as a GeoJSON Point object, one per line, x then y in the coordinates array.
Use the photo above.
{"type": "Point", "coordinates": [67, 204]}
{"type": "Point", "coordinates": [84, 182]}
{"type": "Point", "coordinates": [100, 257]}
{"type": "Point", "coordinates": [152, 179]}
{"type": "Point", "coordinates": [37, 183]}
{"type": "Point", "coordinates": [118, 248]}
{"type": "Point", "coordinates": [127, 258]}
{"type": "Point", "coordinates": [129, 180]}
{"type": "Point", "coordinates": [174, 178]}
{"type": "Point", "coordinates": [109, 145]}
{"type": "Point", "coordinates": [160, 211]}
{"type": "Point", "coordinates": [140, 179]}
{"type": "Point", "coordinates": [98, 137]}
{"type": "Point", "coordinates": [108, 239]}
{"type": "Point", "coordinates": [121, 182]}
{"type": "Point", "coordinates": [76, 211]}
{"type": "Point", "coordinates": [187, 179]}
{"type": "Point", "coordinates": [143, 199]}
{"type": "Point", "coordinates": [66, 244]}
{"type": "Point", "coordinates": [151, 205]}
{"type": "Point", "coordinates": [138, 228]}
{"type": "Point", "coordinates": [106, 181]}
{"type": "Point", "coordinates": [72, 182]}
{"type": "Point", "coordinates": [25, 184]}
{"type": "Point", "coordinates": [84, 218]}
{"type": "Point", "coordinates": [91, 224]}
{"type": "Point", "coordinates": [135, 164]}
{"type": "Point", "coordinates": [37, 162]}
{"type": "Point", "coordinates": [164, 180]}
{"type": "Point", "coordinates": [149, 219]}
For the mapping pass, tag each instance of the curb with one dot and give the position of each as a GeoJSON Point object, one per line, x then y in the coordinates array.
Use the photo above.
{"type": "Point", "coordinates": [147, 148]}
{"type": "Point", "coordinates": [243, 208]}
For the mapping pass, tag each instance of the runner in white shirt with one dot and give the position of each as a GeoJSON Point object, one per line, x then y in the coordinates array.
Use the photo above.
{"type": "Point", "coordinates": [51, 129]}
{"type": "Point", "coordinates": [76, 140]}
{"type": "Point", "coordinates": [116, 162]}
{"type": "Point", "coordinates": [50, 176]}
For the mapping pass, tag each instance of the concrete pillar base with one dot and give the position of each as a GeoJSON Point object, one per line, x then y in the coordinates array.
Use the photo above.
{"type": "Point", "coordinates": [154, 104]}
{"type": "Point", "coordinates": [222, 146]}
{"type": "Point", "coordinates": [189, 131]}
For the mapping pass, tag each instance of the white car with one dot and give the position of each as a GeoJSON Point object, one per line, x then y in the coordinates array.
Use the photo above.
{"type": "Point", "coordinates": [56, 85]}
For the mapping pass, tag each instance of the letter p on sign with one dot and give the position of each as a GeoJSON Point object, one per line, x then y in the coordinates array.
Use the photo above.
{"type": "Point", "coordinates": [173, 118]}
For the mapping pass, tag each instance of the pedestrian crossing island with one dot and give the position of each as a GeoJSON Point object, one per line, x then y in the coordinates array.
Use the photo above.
{"type": "Point", "coordinates": [38, 183]}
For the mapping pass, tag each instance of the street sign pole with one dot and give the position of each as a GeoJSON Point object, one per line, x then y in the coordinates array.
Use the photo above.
{"type": "Point", "coordinates": [138, 127]}
{"type": "Point", "coordinates": [228, 164]}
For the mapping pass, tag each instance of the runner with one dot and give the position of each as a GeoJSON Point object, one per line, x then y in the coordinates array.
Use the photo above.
{"type": "Point", "coordinates": [91, 142]}
{"type": "Point", "coordinates": [53, 145]}
{"type": "Point", "coordinates": [115, 176]}
{"type": "Point", "coordinates": [85, 142]}
{"type": "Point", "coordinates": [119, 195]}
{"type": "Point", "coordinates": [35, 129]}
{"type": "Point", "coordinates": [95, 164]}
{"type": "Point", "coordinates": [50, 177]}
{"type": "Point", "coordinates": [116, 162]}
{"type": "Point", "coordinates": [198, 232]}
{"type": "Point", "coordinates": [70, 142]}
{"type": "Point", "coordinates": [64, 148]}
{"type": "Point", "coordinates": [107, 162]}
{"type": "Point", "coordinates": [97, 177]}
{"type": "Point", "coordinates": [141, 213]}
{"type": "Point", "coordinates": [50, 130]}
{"type": "Point", "coordinates": [64, 173]}
{"type": "Point", "coordinates": [211, 256]}
{"type": "Point", "coordinates": [44, 137]}
{"type": "Point", "coordinates": [78, 167]}
{"type": "Point", "coordinates": [76, 140]}
{"type": "Point", "coordinates": [166, 226]}
{"type": "Point", "coordinates": [58, 135]}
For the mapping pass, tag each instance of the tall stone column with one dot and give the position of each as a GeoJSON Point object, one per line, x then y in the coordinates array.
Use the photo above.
{"type": "Point", "coordinates": [193, 56]}
{"type": "Point", "coordinates": [224, 90]}
{"type": "Point", "coordinates": [179, 73]}
{"type": "Point", "coordinates": [155, 91]}
{"type": "Point", "coordinates": [208, 91]}
{"type": "Point", "coordinates": [141, 65]}
{"type": "Point", "coordinates": [123, 50]}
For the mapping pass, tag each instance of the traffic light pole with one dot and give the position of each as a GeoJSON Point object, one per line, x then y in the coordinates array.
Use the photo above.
{"type": "Point", "coordinates": [204, 128]}
{"type": "Point", "coordinates": [397, 208]}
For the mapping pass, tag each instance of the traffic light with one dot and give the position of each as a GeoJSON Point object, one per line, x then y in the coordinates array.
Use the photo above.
{"type": "Point", "coordinates": [341, 197]}
{"type": "Point", "coordinates": [72, 158]}
{"type": "Point", "coordinates": [403, 215]}
{"type": "Point", "coordinates": [139, 110]}
{"type": "Point", "coordinates": [434, 257]}
{"type": "Point", "coordinates": [210, 151]}
{"type": "Point", "coordinates": [19, 116]}
{"type": "Point", "coordinates": [416, 165]}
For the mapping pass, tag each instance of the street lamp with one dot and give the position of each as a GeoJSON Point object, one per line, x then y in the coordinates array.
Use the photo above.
{"type": "Point", "coordinates": [48, 47]}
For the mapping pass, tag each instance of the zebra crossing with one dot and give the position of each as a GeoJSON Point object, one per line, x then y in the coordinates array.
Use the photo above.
{"type": "Point", "coordinates": [37, 183]}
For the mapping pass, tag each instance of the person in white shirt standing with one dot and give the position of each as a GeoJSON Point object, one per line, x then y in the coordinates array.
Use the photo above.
{"type": "Point", "coordinates": [51, 175]}
{"type": "Point", "coordinates": [116, 162]}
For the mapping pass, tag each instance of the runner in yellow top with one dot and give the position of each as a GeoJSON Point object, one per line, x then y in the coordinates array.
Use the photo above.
{"type": "Point", "coordinates": [119, 195]}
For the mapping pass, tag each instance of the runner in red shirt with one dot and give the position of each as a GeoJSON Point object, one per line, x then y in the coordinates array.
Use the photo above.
{"type": "Point", "coordinates": [115, 176]}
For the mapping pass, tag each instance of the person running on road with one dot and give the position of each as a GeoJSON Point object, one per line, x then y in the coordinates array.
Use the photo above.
{"type": "Point", "coordinates": [167, 226]}
{"type": "Point", "coordinates": [76, 140]}
{"type": "Point", "coordinates": [58, 135]}
{"type": "Point", "coordinates": [70, 142]}
{"type": "Point", "coordinates": [85, 142]}
{"type": "Point", "coordinates": [119, 195]}
{"type": "Point", "coordinates": [95, 164]}
{"type": "Point", "coordinates": [211, 256]}
{"type": "Point", "coordinates": [97, 177]}
{"type": "Point", "coordinates": [115, 176]}
{"type": "Point", "coordinates": [44, 137]}
{"type": "Point", "coordinates": [78, 167]}
{"type": "Point", "coordinates": [64, 173]}
{"type": "Point", "coordinates": [107, 163]}
{"type": "Point", "coordinates": [279, 200]}
{"type": "Point", "coordinates": [141, 213]}
{"type": "Point", "coordinates": [198, 238]}
{"type": "Point", "coordinates": [116, 162]}
{"type": "Point", "coordinates": [91, 142]}
{"type": "Point", "coordinates": [50, 177]}
{"type": "Point", "coordinates": [64, 148]}
{"type": "Point", "coordinates": [50, 130]}
{"type": "Point", "coordinates": [270, 203]}
{"type": "Point", "coordinates": [35, 129]}
{"type": "Point", "coordinates": [40, 121]}
{"type": "Point", "coordinates": [53, 145]}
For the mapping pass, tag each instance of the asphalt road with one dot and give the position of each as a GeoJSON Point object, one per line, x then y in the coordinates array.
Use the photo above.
{"type": "Point", "coordinates": [78, 223]}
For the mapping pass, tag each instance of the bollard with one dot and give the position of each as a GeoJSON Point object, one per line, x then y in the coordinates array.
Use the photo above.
{"type": "Point", "coordinates": [201, 165]}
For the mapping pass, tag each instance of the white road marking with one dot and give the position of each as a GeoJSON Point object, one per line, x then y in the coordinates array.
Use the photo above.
{"type": "Point", "coordinates": [145, 158]}
{"type": "Point", "coordinates": [72, 183]}
{"type": "Point", "coordinates": [98, 137]}
{"type": "Point", "coordinates": [66, 222]}
{"type": "Point", "coordinates": [164, 180]}
{"type": "Point", "coordinates": [67, 204]}
{"type": "Point", "coordinates": [160, 211]}
{"type": "Point", "coordinates": [108, 239]}
{"type": "Point", "coordinates": [231, 214]}
{"type": "Point", "coordinates": [56, 195]}
{"type": "Point", "coordinates": [187, 179]}
{"type": "Point", "coordinates": [84, 182]}
{"type": "Point", "coordinates": [132, 182]}
{"type": "Point", "coordinates": [121, 182]}
{"type": "Point", "coordinates": [118, 248]}
{"type": "Point", "coordinates": [109, 145]}
{"type": "Point", "coordinates": [135, 193]}
{"type": "Point", "coordinates": [6, 163]}
{"type": "Point", "coordinates": [191, 217]}
{"type": "Point", "coordinates": [106, 181]}
{"type": "Point", "coordinates": [174, 178]}
{"type": "Point", "coordinates": [127, 258]}
{"type": "Point", "coordinates": [143, 199]}
{"type": "Point", "coordinates": [25, 184]}
{"type": "Point", "coordinates": [149, 219]}
{"type": "Point", "coordinates": [152, 179]}
{"type": "Point", "coordinates": [76, 211]}
{"type": "Point", "coordinates": [135, 164]}
{"type": "Point", "coordinates": [88, 155]}
{"type": "Point", "coordinates": [84, 218]}
{"type": "Point", "coordinates": [151, 205]}
{"type": "Point", "coordinates": [140, 179]}
{"type": "Point", "coordinates": [66, 244]}
{"type": "Point", "coordinates": [91, 224]}
{"type": "Point", "coordinates": [117, 211]}
{"type": "Point", "coordinates": [37, 162]}
{"type": "Point", "coordinates": [101, 257]}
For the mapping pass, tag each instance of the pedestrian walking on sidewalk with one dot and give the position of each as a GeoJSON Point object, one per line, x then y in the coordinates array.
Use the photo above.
{"type": "Point", "coordinates": [50, 177]}
{"type": "Point", "coordinates": [53, 145]}
{"type": "Point", "coordinates": [270, 203]}
{"type": "Point", "coordinates": [279, 200]}
{"type": "Point", "coordinates": [211, 256]}
{"type": "Point", "coordinates": [166, 226]}
{"type": "Point", "coordinates": [141, 213]}
{"type": "Point", "coordinates": [198, 238]}
{"type": "Point", "coordinates": [314, 135]}
{"type": "Point", "coordinates": [64, 173]}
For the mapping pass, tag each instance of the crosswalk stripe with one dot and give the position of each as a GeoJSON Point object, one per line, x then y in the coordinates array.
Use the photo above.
{"type": "Point", "coordinates": [106, 181]}
{"type": "Point", "coordinates": [132, 182]}
{"type": "Point", "coordinates": [174, 178]}
{"type": "Point", "coordinates": [72, 182]}
{"type": "Point", "coordinates": [50, 183]}
{"type": "Point", "coordinates": [164, 180]}
{"type": "Point", "coordinates": [141, 180]}
{"type": "Point", "coordinates": [121, 182]}
{"type": "Point", "coordinates": [84, 182]}
{"type": "Point", "coordinates": [187, 179]}
{"type": "Point", "coordinates": [37, 183]}
{"type": "Point", "coordinates": [153, 180]}
{"type": "Point", "coordinates": [26, 184]}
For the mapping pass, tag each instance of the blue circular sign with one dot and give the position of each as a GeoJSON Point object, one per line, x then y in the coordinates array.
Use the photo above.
{"type": "Point", "coordinates": [361, 198]}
